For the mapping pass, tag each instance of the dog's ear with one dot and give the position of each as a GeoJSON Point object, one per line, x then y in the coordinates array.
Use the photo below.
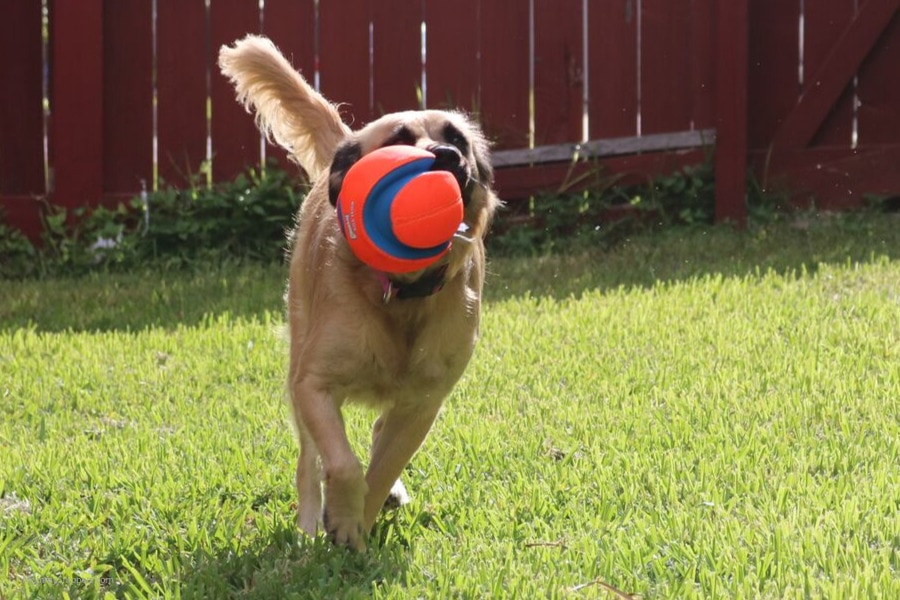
{"type": "Point", "coordinates": [288, 109]}
{"type": "Point", "coordinates": [347, 154]}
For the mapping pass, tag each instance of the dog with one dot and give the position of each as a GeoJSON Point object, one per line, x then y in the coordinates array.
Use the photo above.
{"type": "Point", "coordinates": [388, 340]}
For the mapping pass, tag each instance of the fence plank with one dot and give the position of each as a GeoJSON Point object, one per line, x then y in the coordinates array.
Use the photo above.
{"type": "Point", "coordinates": [291, 25]}
{"type": "Point", "coordinates": [397, 51]}
{"type": "Point", "coordinates": [127, 97]}
{"type": "Point", "coordinates": [76, 135]}
{"type": "Point", "coordinates": [558, 71]}
{"type": "Point", "coordinates": [731, 111]}
{"type": "Point", "coordinates": [703, 60]}
{"type": "Point", "coordinates": [181, 88]}
{"type": "Point", "coordinates": [452, 54]}
{"type": "Point", "coordinates": [504, 72]}
{"type": "Point", "coordinates": [665, 60]}
{"type": "Point", "coordinates": [879, 90]}
{"type": "Point", "coordinates": [21, 113]}
{"type": "Point", "coordinates": [344, 57]}
{"type": "Point", "coordinates": [824, 20]}
{"type": "Point", "coordinates": [653, 142]}
{"type": "Point", "coordinates": [235, 138]}
{"type": "Point", "coordinates": [612, 31]}
{"type": "Point", "coordinates": [517, 183]}
{"type": "Point", "coordinates": [774, 61]}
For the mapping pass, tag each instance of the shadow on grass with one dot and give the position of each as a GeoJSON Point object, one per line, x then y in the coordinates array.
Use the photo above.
{"type": "Point", "coordinates": [134, 301]}
{"type": "Point", "coordinates": [290, 565]}
{"type": "Point", "coordinates": [138, 300]}
{"type": "Point", "coordinates": [682, 253]}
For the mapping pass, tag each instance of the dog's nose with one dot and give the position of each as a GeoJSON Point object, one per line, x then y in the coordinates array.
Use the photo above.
{"type": "Point", "coordinates": [449, 158]}
{"type": "Point", "coordinates": [446, 157]}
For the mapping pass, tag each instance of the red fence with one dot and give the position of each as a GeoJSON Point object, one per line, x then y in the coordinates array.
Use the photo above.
{"type": "Point", "coordinates": [829, 129]}
{"type": "Point", "coordinates": [811, 89]}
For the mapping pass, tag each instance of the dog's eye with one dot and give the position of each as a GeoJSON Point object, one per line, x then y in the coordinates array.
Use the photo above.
{"type": "Point", "coordinates": [347, 154]}
{"type": "Point", "coordinates": [401, 137]}
{"type": "Point", "coordinates": [454, 136]}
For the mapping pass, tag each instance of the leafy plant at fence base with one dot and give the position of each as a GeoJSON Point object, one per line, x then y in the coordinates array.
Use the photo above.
{"type": "Point", "coordinates": [244, 219]}
{"type": "Point", "coordinates": [604, 213]}
{"type": "Point", "coordinates": [17, 253]}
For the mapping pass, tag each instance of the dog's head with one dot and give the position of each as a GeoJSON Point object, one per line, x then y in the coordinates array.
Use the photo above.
{"type": "Point", "coordinates": [298, 118]}
{"type": "Point", "coordinates": [457, 143]}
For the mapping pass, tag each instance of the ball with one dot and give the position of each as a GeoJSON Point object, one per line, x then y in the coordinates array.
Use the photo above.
{"type": "Point", "coordinates": [396, 213]}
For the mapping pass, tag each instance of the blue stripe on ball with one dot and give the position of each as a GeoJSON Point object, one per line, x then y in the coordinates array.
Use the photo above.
{"type": "Point", "coordinates": [377, 212]}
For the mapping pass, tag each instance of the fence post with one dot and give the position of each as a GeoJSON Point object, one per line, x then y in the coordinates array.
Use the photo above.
{"type": "Point", "coordinates": [731, 111]}
{"type": "Point", "coordinates": [76, 134]}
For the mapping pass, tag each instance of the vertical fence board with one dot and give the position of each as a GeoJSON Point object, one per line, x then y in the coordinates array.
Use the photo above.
{"type": "Point", "coordinates": [612, 31]}
{"type": "Point", "coordinates": [344, 57]}
{"type": "Point", "coordinates": [21, 113]}
{"type": "Point", "coordinates": [452, 54]}
{"type": "Point", "coordinates": [703, 54]}
{"type": "Point", "coordinates": [558, 71]}
{"type": "Point", "coordinates": [127, 97]}
{"type": "Point", "coordinates": [665, 61]}
{"type": "Point", "coordinates": [504, 72]}
{"type": "Point", "coordinates": [235, 138]}
{"type": "Point", "coordinates": [774, 62]}
{"type": "Point", "coordinates": [879, 89]}
{"type": "Point", "coordinates": [824, 21]}
{"type": "Point", "coordinates": [181, 79]}
{"type": "Point", "coordinates": [397, 51]}
{"type": "Point", "coordinates": [291, 25]}
{"type": "Point", "coordinates": [731, 111]}
{"type": "Point", "coordinates": [76, 135]}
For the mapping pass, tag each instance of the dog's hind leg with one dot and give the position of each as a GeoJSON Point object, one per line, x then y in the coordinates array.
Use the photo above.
{"type": "Point", "coordinates": [397, 437]}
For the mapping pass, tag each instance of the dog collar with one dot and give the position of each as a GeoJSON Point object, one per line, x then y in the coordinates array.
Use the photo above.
{"type": "Point", "coordinates": [428, 284]}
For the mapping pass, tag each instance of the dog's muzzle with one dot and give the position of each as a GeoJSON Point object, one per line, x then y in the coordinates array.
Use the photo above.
{"type": "Point", "coordinates": [449, 158]}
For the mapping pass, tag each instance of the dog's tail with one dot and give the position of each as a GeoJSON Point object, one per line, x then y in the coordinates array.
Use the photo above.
{"type": "Point", "coordinates": [288, 110]}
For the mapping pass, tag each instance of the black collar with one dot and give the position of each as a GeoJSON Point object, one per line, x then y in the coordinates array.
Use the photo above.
{"type": "Point", "coordinates": [426, 285]}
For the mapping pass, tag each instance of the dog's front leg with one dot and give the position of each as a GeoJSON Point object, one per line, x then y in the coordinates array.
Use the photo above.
{"type": "Point", "coordinates": [345, 486]}
{"type": "Point", "coordinates": [399, 434]}
{"type": "Point", "coordinates": [309, 482]}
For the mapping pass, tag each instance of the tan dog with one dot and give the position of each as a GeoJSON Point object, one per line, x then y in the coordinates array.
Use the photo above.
{"type": "Point", "coordinates": [356, 335]}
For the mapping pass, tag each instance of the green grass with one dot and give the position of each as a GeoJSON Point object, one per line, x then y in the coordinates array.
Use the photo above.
{"type": "Point", "coordinates": [695, 414]}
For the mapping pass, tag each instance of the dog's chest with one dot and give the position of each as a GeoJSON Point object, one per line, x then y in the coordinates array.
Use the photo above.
{"type": "Point", "coordinates": [411, 360]}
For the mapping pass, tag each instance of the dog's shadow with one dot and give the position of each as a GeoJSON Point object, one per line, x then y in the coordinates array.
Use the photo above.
{"type": "Point", "coordinates": [289, 564]}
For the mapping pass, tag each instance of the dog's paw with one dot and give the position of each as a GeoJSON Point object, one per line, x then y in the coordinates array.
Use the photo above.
{"type": "Point", "coordinates": [397, 497]}
{"type": "Point", "coordinates": [308, 520]}
{"type": "Point", "coordinates": [343, 515]}
{"type": "Point", "coordinates": [345, 530]}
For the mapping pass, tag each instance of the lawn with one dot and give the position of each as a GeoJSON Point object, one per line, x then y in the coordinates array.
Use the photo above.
{"type": "Point", "coordinates": [696, 413]}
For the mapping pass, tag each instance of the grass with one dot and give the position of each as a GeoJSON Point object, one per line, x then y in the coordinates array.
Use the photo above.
{"type": "Point", "coordinates": [695, 414]}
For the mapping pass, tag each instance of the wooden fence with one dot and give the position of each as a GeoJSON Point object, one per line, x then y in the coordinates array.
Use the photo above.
{"type": "Point", "coordinates": [119, 95]}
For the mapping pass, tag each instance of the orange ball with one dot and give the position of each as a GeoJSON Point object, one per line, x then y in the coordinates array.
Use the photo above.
{"type": "Point", "coordinates": [427, 211]}
{"type": "Point", "coordinates": [395, 212]}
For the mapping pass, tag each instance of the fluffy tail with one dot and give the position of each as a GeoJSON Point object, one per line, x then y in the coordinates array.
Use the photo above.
{"type": "Point", "coordinates": [288, 110]}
